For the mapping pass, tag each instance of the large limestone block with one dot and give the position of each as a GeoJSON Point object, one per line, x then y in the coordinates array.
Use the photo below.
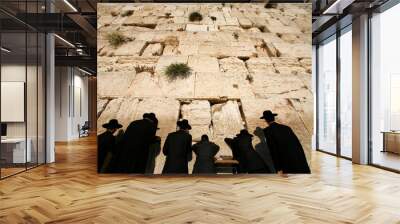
{"type": "Point", "coordinates": [275, 83]}
{"type": "Point", "coordinates": [232, 21]}
{"type": "Point", "coordinates": [305, 109]}
{"type": "Point", "coordinates": [198, 113]}
{"type": "Point", "coordinates": [294, 50]}
{"type": "Point", "coordinates": [208, 85]}
{"type": "Point", "coordinates": [196, 28]}
{"type": "Point", "coordinates": [234, 49]}
{"type": "Point", "coordinates": [260, 65]}
{"type": "Point", "coordinates": [171, 27]}
{"type": "Point", "coordinates": [188, 49]}
{"type": "Point", "coordinates": [245, 22]}
{"type": "Point", "coordinates": [101, 105]}
{"type": "Point", "coordinates": [136, 63]}
{"type": "Point", "coordinates": [127, 111]}
{"type": "Point", "coordinates": [203, 63]}
{"type": "Point", "coordinates": [153, 50]}
{"type": "Point", "coordinates": [165, 61]}
{"type": "Point", "coordinates": [133, 48]}
{"type": "Point", "coordinates": [227, 119]}
{"type": "Point", "coordinates": [105, 64]}
{"type": "Point", "coordinates": [179, 87]}
{"type": "Point", "coordinates": [146, 84]}
{"type": "Point", "coordinates": [288, 65]}
{"type": "Point", "coordinates": [114, 84]}
{"type": "Point", "coordinates": [110, 112]}
{"type": "Point", "coordinates": [233, 65]}
{"type": "Point", "coordinates": [148, 21]}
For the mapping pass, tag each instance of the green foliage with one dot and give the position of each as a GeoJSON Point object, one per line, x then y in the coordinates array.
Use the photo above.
{"type": "Point", "coordinates": [195, 16]}
{"type": "Point", "coordinates": [127, 13]}
{"type": "Point", "coordinates": [116, 39]}
{"type": "Point", "coordinates": [178, 70]}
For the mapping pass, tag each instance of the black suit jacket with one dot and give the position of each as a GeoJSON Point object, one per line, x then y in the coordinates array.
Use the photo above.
{"type": "Point", "coordinates": [136, 142]}
{"type": "Point", "coordinates": [105, 144]}
{"type": "Point", "coordinates": [205, 152]}
{"type": "Point", "coordinates": [253, 161]}
{"type": "Point", "coordinates": [286, 150]}
{"type": "Point", "coordinates": [178, 150]}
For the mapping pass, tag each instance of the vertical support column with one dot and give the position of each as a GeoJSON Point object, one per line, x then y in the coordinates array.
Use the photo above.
{"type": "Point", "coordinates": [50, 99]}
{"type": "Point", "coordinates": [314, 90]}
{"type": "Point", "coordinates": [50, 92]}
{"type": "Point", "coordinates": [360, 90]}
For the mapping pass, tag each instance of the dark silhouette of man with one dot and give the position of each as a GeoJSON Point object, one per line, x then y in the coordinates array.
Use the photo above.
{"type": "Point", "coordinates": [286, 150]}
{"type": "Point", "coordinates": [178, 149]}
{"type": "Point", "coordinates": [106, 145]}
{"type": "Point", "coordinates": [263, 150]}
{"type": "Point", "coordinates": [205, 155]}
{"type": "Point", "coordinates": [253, 161]}
{"type": "Point", "coordinates": [136, 142]}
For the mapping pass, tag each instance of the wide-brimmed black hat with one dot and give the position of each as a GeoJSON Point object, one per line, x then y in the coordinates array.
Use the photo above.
{"type": "Point", "coordinates": [152, 117]}
{"type": "Point", "coordinates": [244, 132]}
{"type": "Point", "coordinates": [112, 124]}
{"type": "Point", "coordinates": [184, 124]}
{"type": "Point", "coordinates": [268, 114]}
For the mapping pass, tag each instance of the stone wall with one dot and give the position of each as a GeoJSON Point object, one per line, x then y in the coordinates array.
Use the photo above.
{"type": "Point", "coordinates": [245, 59]}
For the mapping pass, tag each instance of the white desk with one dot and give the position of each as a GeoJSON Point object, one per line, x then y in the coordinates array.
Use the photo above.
{"type": "Point", "coordinates": [17, 145]}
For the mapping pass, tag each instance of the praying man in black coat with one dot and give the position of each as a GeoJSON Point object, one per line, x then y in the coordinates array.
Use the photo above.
{"type": "Point", "coordinates": [178, 149]}
{"type": "Point", "coordinates": [286, 149]}
{"type": "Point", "coordinates": [106, 145]}
{"type": "Point", "coordinates": [138, 137]}
{"type": "Point", "coordinates": [205, 155]}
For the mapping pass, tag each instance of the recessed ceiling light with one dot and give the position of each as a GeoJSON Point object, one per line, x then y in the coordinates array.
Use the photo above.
{"type": "Point", "coordinates": [70, 5]}
{"type": "Point", "coordinates": [5, 50]}
{"type": "Point", "coordinates": [64, 40]}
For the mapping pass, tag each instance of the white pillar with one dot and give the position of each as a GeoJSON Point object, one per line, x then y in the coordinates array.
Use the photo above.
{"type": "Point", "coordinates": [360, 90]}
{"type": "Point", "coordinates": [50, 99]}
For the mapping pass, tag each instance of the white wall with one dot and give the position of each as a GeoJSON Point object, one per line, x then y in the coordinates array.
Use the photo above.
{"type": "Point", "coordinates": [70, 83]}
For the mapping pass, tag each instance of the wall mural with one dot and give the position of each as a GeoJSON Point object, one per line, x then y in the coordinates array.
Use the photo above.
{"type": "Point", "coordinates": [211, 71]}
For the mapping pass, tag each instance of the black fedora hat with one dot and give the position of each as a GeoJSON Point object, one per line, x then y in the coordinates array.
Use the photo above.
{"type": "Point", "coordinates": [184, 124]}
{"type": "Point", "coordinates": [152, 117]}
{"type": "Point", "coordinates": [244, 132]}
{"type": "Point", "coordinates": [113, 123]}
{"type": "Point", "coordinates": [268, 114]}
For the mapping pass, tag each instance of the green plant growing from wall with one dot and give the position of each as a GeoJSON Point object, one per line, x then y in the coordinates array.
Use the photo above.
{"type": "Point", "coordinates": [116, 39]}
{"type": "Point", "coordinates": [127, 13]}
{"type": "Point", "coordinates": [195, 16]}
{"type": "Point", "coordinates": [178, 70]}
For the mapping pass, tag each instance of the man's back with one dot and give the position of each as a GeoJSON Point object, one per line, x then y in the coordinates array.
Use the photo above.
{"type": "Point", "coordinates": [177, 148]}
{"type": "Point", "coordinates": [286, 149]}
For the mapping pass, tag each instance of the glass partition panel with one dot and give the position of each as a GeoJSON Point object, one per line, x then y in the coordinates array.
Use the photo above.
{"type": "Point", "coordinates": [31, 98]}
{"type": "Point", "coordinates": [385, 89]}
{"type": "Point", "coordinates": [346, 92]}
{"type": "Point", "coordinates": [327, 95]}
{"type": "Point", "coordinates": [14, 153]}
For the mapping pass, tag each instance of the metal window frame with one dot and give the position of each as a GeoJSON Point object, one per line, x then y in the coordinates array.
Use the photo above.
{"type": "Point", "coordinates": [337, 34]}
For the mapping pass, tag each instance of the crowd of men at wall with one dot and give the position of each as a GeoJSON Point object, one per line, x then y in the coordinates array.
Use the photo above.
{"type": "Point", "coordinates": [136, 149]}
